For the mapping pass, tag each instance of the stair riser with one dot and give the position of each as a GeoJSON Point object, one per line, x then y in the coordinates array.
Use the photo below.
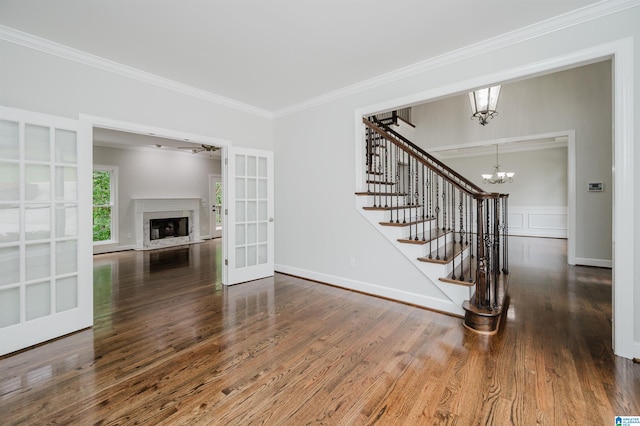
{"type": "Point", "coordinates": [432, 271]}
{"type": "Point", "coordinates": [385, 201]}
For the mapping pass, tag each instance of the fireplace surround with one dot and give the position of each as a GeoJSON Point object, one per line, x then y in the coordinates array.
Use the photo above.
{"type": "Point", "coordinates": [175, 213]}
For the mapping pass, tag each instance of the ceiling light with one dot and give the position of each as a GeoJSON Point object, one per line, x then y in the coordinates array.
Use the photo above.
{"type": "Point", "coordinates": [497, 176]}
{"type": "Point", "coordinates": [483, 103]}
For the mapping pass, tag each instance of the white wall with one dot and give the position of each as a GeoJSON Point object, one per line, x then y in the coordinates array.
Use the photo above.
{"type": "Point", "coordinates": [577, 99]}
{"type": "Point", "coordinates": [540, 180]}
{"type": "Point", "coordinates": [318, 229]}
{"type": "Point", "coordinates": [155, 174]}
{"type": "Point", "coordinates": [40, 82]}
{"type": "Point", "coordinates": [538, 193]}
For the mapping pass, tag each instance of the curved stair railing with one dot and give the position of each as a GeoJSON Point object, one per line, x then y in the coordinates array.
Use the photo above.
{"type": "Point", "coordinates": [458, 223]}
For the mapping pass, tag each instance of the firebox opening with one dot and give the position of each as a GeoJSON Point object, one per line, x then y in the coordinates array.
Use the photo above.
{"type": "Point", "coordinates": [169, 228]}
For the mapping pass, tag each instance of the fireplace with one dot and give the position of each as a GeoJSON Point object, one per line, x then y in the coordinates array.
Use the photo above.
{"type": "Point", "coordinates": [169, 228]}
{"type": "Point", "coordinates": [166, 222]}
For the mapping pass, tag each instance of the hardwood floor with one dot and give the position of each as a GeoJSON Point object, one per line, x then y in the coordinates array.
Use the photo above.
{"type": "Point", "coordinates": [171, 345]}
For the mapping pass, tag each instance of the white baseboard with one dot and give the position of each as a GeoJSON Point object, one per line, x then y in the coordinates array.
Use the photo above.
{"type": "Point", "coordinates": [600, 263]}
{"type": "Point", "coordinates": [112, 248]}
{"type": "Point", "coordinates": [373, 289]}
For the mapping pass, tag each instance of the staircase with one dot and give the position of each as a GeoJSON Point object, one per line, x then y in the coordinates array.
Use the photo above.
{"type": "Point", "coordinates": [451, 230]}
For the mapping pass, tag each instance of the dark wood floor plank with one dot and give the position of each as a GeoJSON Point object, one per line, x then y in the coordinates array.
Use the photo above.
{"type": "Point", "coordinates": [172, 346]}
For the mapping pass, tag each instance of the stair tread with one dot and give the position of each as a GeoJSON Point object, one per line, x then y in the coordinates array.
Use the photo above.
{"type": "Point", "coordinates": [411, 221]}
{"type": "Point", "coordinates": [424, 238]}
{"type": "Point", "coordinates": [446, 253]}
{"type": "Point", "coordinates": [391, 208]}
{"type": "Point", "coordinates": [378, 182]}
{"type": "Point", "coordinates": [468, 271]}
{"type": "Point", "coordinates": [381, 194]}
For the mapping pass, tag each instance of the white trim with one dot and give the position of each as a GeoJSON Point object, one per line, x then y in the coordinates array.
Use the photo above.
{"type": "Point", "coordinates": [143, 129]}
{"type": "Point", "coordinates": [621, 54]}
{"type": "Point", "coordinates": [538, 221]}
{"type": "Point", "coordinates": [572, 202]}
{"type": "Point", "coordinates": [111, 248]}
{"type": "Point", "coordinates": [513, 147]}
{"type": "Point", "coordinates": [372, 289]}
{"type": "Point", "coordinates": [576, 17]}
{"type": "Point", "coordinates": [557, 23]}
{"type": "Point", "coordinates": [47, 46]}
{"type": "Point", "coordinates": [598, 263]}
{"type": "Point", "coordinates": [624, 213]}
{"type": "Point", "coordinates": [89, 121]}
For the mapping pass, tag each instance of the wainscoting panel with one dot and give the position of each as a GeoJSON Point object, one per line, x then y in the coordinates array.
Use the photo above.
{"type": "Point", "coordinates": [538, 221]}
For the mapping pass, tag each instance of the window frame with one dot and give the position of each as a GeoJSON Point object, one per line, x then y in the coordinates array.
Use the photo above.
{"type": "Point", "coordinates": [113, 202]}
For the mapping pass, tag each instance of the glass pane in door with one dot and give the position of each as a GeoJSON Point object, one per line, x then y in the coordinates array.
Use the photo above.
{"type": "Point", "coordinates": [37, 143]}
{"type": "Point", "coordinates": [9, 140]}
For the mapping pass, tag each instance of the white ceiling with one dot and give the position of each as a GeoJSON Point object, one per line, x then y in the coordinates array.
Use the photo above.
{"type": "Point", "coordinates": [273, 54]}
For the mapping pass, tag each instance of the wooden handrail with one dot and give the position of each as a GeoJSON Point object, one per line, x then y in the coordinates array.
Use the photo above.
{"type": "Point", "coordinates": [469, 187]}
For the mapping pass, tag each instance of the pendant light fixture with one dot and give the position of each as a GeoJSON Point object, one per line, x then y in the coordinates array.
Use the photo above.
{"type": "Point", "coordinates": [498, 176]}
{"type": "Point", "coordinates": [483, 103]}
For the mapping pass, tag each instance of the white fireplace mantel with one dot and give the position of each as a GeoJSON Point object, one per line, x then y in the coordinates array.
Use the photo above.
{"type": "Point", "coordinates": [159, 208]}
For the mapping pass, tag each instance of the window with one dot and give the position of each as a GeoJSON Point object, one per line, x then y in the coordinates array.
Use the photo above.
{"type": "Point", "coordinates": [104, 204]}
{"type": "Point", "coordinates": [218, 204]}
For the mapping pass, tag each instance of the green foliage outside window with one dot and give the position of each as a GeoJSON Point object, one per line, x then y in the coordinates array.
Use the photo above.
{"type": "Point", "coordinates": [101, 205]}
{"type": "Point", "coordinates": [218, 202]}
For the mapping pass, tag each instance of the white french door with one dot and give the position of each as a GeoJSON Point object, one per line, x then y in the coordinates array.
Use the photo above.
{"type": "Point", "coordinates": [45, 254]}
{"type": "Point", "coordinates": [249, 210]}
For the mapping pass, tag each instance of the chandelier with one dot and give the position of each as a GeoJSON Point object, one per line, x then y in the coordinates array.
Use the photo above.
{"type": "Point", "coordinates": [497, 176]}
{"type": "Point", "coordinates": [483, 103]}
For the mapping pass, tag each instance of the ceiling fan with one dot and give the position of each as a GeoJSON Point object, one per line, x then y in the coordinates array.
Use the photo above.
{"type": "Point", "coordinates": [202, 147]}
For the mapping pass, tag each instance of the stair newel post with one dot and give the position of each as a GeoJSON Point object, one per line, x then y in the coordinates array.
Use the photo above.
{"type": "Point", "coordinates": [470, 201]}
{"type": "Point", "coordinates": [496, 249]}
{"type": "Point", "coordinates": [481, 276]}
{"type": "Point", "coordinates": [488, 252]}
{"type": "Point", "coordinates": [505, 234]}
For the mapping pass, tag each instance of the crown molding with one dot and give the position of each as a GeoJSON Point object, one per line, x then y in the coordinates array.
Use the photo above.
{"type": "Point", "coordinates": [576, 17]}
{"type": "Point", "coordinates": [557, 23]}
{"type": "Point", "coordinates": [47, 46]}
